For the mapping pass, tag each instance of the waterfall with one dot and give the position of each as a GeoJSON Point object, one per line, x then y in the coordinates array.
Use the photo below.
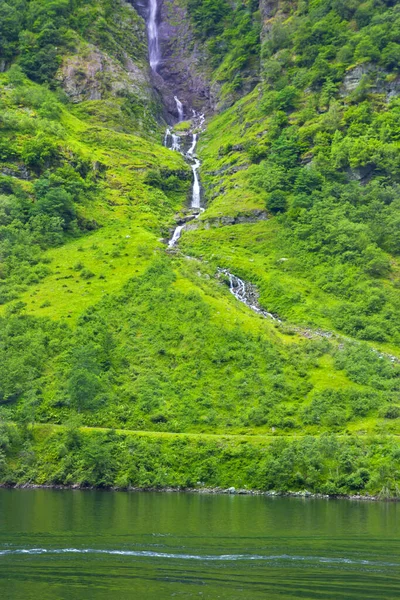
{"type": "Point", "coordinates": [166, 137]}
{"type": "Point", "coordinates": [177, 234]}
{"type": "Point", "coordinates": [176, 142]}
{"type": "Point", "coordinates": [192, 148]}
{"type": "Point", "coordinates": [195, 164]}
{"type": "Point", "coordinates": [152, 32]}
{"type": "Point", "coordinates": [196, 185]}
{"type": "Point", "coordinates": [246, 293]}
{"type": "Point", "coordinates": [179, 107]}
{"type": "Point", "coordinates": [172, 141]}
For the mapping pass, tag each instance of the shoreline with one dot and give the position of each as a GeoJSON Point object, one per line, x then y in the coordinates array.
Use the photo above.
{"type": "Point", "coordinates": [231, 491]}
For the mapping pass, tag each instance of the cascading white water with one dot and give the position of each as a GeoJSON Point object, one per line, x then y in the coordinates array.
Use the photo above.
{"type": "Point", "coordinates": [176, 235]}
{"type": "Point", "coordinates": [152, 32]}
{"type": "Point", "coordinates": [244, 292]}
{"type": "Point", "coordinates": [176, 143]}
{"type": "Point", "coordinates": [196, 196]}
{"type": "Point", "coordinates": [179, 107]}
{"type": "Point", "coordinates": [192, 148]}
{"type": "Point", "coordinates": [194, 163]}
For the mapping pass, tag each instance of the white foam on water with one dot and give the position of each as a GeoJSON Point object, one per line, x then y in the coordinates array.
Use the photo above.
{"type": "Point", "coordinates": [200, 557]}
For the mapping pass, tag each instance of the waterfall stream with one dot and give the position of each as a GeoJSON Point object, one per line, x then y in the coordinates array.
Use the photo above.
{"type": "Point", "coordinates": [176, 235]}
{"type": "Point", "coordinates": [246, 293]}
{"type": "Point", "coordinates": [174, 142]}
{"type": "Point", "coordinates": [152, 32]}
{"type": "Point", "coordinates": [196, 196]}
{"type": "Point", "coordinates": [193, 146]}
{"type": "Point", "coordinates": [179, 107]}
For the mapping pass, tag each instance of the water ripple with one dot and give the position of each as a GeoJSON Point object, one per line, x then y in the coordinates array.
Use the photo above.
{"type": "Point", "coordinates": [206, 557]}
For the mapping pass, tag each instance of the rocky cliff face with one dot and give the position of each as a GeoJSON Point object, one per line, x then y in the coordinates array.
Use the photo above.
{"type": "Point", "coordinates": [377, 80]}
{"type": "Point", "coordinates": [91, 74]}
{"type": "Point", "coordinates": [182, 70]}
{"type": "Point", "coordinates": [183, 65]}
{"type": "Point", "coordinates": [114, 71]}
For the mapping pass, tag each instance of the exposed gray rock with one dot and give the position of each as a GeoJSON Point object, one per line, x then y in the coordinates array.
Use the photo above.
{"type": "Point", "coordinates": [254, 217]}
{"type": "Point", "coordinates": [361, 174]}
{"type": "Point", "coordinates": [269, 7]}
{"type": "Point", "coordinates": [379, 80]}
{"type": "Point", "coordinates": [18, 171]}
{"type": "Point", "coordinates": [90, 74]}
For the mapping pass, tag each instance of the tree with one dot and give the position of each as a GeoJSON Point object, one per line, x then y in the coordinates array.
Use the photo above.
{"type": "Point", "coordinates": [276, 201]}
{"type": "Point", "coordinates": [83, 388]}
{"type": "Point", "coordinates": [57, 203]}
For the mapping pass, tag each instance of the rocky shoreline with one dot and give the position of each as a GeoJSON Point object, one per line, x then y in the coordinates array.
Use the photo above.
{"type": "Point", "coordinates": [231, 491]}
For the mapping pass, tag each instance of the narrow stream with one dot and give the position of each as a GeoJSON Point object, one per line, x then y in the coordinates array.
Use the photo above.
{"type": "Point", "coordinates": [174, 142]}
{"type": "Point", "coordinates": [247, 293]}
{"type": "Point", "coordinates": [179, 107]}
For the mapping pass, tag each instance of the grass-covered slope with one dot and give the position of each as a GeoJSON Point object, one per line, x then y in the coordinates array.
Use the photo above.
{"type": "Point", "coordinates": [316, 145]}
{"type": "Point", "coordinates": [102, 327]}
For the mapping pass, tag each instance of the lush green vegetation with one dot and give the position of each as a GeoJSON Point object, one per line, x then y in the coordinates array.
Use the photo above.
{"type": "Point", "coordinates": [231, 39]}
{"type": "Point", "coordinates": [325, 166]}
{"type": "Point", "coordinates": [40, 33]}
{"type": "Point", "coordinates": [328, 464]}
{"type": "Point", "coordinates": [101, 326]}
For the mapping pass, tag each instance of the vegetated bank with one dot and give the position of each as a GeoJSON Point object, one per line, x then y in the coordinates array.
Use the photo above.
{"type": "Point", "coordinates": [77, 457]}
{"type": "Point", "coordinates": [101, 325]}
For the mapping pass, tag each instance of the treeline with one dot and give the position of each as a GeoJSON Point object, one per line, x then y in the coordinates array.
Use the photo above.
{"type": "Point", "coordinates": [69, 456]}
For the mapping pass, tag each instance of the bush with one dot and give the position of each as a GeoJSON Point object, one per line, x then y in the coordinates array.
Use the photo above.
{"type": "Point", "coordinates": [277, 201]}
{"type": "Point", "coordinates": [390, 412]}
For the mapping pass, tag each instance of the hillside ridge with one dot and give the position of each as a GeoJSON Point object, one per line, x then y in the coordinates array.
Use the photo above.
{"type": "Point", "coordinates": [103, 326]}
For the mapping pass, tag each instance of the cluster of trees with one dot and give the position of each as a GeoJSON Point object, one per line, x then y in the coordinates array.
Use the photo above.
{"type": "Point", "coordinates": [42, 182]}
{"type": "Point", "coordinates": [231, 38]}
{"type": "Point", "coordinates": [38, 33]}
{"type": "Point", "coordinates": [329, 464]}
{"type": "Point", "coordinates": [133, 361]}
{"type": "Point", "coordinates": [315, 46]}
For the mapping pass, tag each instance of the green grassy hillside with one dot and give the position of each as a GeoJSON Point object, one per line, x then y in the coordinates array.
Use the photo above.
{"type": "Point", "coordinates": [102, 327]}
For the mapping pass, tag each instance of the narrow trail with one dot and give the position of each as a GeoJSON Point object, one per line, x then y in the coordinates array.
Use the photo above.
{"type": "Point", "coordinates": [256, 437]}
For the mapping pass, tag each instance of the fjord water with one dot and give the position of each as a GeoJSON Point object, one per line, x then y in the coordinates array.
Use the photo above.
{"type": "Point", "coordinates": [102, 545]}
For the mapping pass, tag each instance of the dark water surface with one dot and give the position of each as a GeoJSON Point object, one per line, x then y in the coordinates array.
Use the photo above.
{"type": "Point", "coordinates": [104, 545]}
